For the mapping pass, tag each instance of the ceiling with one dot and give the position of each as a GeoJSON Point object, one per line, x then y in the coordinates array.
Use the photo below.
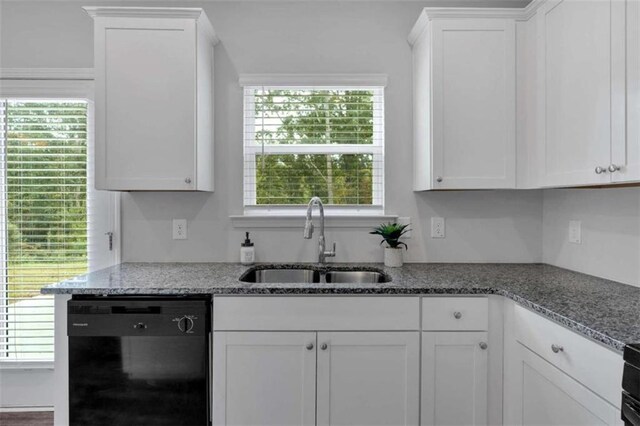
{"type": "Point", "coordinates": [425, 3]}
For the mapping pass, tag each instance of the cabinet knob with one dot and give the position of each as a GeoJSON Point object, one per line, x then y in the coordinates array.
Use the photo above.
{"type": "Point", "coordinates": [483, 345]}
{"type": "Point", "coordinates": [600, 170]}
{"type": "Point", "coordinates": [439, 179]}
{"type": "Point", "coordinates": [187, 180]}
{"type": "Point", "coordinates": [309, 346]}
{"type": "Point", "coordinates": [324, 346]}
{"type": "Point", "coordinates": [614, 168]}
{"type": "Point", "coordinates": [557, 348]}
{"type": "Point", "coordinates": [457, 315]}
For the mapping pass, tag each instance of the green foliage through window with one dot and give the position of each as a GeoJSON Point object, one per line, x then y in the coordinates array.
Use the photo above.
{"type": "Point", "coordinates": [44, 214]}
{"type": "Point", "coordinates": [305, 142]}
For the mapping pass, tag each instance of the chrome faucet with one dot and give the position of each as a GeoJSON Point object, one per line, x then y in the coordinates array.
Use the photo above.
{"type": "Point", "coordinates": [308, 231]}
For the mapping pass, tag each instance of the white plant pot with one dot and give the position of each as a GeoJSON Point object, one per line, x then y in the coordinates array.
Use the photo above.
{"type": "Point", "coordinates": [393, 257]}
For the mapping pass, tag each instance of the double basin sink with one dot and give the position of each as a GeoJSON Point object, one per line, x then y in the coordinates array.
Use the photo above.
{"type": "Point", "coordinates": [314, 275]}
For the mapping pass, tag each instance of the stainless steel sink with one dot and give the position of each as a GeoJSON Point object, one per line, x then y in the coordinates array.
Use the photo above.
{"type": "Point", "coordinates": [356, 277]}
{"type": "Point", "coordinates": [314, 276]}
{"type": "Point", "coordinates": [281, 276]}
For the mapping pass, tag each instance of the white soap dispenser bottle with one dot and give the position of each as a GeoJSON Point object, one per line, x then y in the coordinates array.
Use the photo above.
{"type": "Point", "coordinates": [247, 251]}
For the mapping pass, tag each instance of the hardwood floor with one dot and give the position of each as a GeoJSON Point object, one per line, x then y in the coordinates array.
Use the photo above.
{"type": "Point", "coordinates": [27, 418]}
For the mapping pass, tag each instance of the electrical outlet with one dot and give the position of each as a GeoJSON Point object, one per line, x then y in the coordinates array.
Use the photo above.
{"type": "Point", "coordinates": [405, 221]}
{"type": "Point", "coordinates": [179, 229]}
{"type": "Point", "coordinates": [575, 232]}
{"type": "Point", "coordinates": [437, 227]}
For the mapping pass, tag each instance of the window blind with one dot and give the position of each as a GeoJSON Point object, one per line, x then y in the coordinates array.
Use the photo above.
{"type": "Point", "coordinates": [44, 216]}
{"type": "Point", "coordinates": [301, 142]}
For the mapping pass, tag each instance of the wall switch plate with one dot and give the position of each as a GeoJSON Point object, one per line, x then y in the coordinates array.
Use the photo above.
{"type": "Point", "coordinates": [575, 232]}
{"type": "Point", "coordinates": [405, 221]}
{"type": "Point", "coordinates": [437, 227]}
{"type": "Point", "coordinates": [179, 229]}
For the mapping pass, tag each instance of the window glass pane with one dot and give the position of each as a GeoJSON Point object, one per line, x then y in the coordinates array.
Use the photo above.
{"type": "Point", "coordinates": [318, 116]}
{"type": "Point", "coordinates": [320, 141]}
{"type": "Point", "coordinates": [45, 199]}
{"type": "Point", "coordinates": [285, 179]}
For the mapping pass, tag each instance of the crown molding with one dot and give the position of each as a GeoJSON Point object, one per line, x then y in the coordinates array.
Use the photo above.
{"type": "Point", "coordinates": [430, 13]}
{"type": "Point", "coordinates": [194, 13]}
{"type": "Point", "coordinates": [313, 80]}
{"type": "Point", "coordinates": [143, 12]}
{"type": "Point", "coordinates": [46, 73]}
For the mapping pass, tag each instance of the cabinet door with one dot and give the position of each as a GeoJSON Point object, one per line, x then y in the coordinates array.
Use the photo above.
{"type": "Point", "coordinates": [627, 155]}
{"type": "Point", "coordinates": [547, 396]}
{"type": "Point", "coordinates": [454, 378]}
{"type": "Point", "coordinates": [145, 103]}
{"type": "Point", "coordinates": [579, 112]}
{"type": "Point", "coordinates": [368, 378]}
{"type": "Point", "coordinates": [264, 378]}
{"type": "Point", "coordinates": [474, 137]}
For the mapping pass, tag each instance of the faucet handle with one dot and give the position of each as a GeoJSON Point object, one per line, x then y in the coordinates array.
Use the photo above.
{"type": "Point", "coordinates": [331, 253]}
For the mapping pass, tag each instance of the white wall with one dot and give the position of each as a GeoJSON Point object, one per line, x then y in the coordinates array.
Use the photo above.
{"type": "Point", "coordinates": [290, 37]}
{"type": "Point", "coordinates": [610, 232]}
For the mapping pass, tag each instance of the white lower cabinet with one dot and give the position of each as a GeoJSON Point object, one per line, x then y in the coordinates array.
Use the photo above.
{"type": "Point", "coordinates": [544, 395]}
{"type": "Point", "coordinates": [312, 368]}
{"type": "Point", "coordinates": [454, 378]}
{"type": "Point", "coordinates": [368, 378]}
{"type": "Point", "coordinates": [264, 378]}
{"type": "Point", "coordinates": [270, 378]}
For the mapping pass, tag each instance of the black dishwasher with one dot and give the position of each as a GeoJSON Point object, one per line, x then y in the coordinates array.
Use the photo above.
{"type": "Point", "coordinates": [139, 361]}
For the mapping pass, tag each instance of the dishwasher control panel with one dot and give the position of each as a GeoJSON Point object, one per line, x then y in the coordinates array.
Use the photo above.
{"type": "Point", "coordinates": [138, 316]}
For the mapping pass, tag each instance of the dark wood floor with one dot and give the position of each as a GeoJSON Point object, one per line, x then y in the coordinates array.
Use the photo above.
{"type": "Point", "coordinates": [31, 418]}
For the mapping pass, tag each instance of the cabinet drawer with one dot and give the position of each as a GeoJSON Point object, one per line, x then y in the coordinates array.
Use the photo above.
{"type": "Point", "coordinates": [598, 368]}
{"type": "Point", "coordinates": [316, 313]}
{"type": "Point", "coordinates": [455, 313]}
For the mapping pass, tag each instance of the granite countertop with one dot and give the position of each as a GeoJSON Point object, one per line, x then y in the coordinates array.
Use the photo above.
{"type": "Point", "coordinates": [606, 311]}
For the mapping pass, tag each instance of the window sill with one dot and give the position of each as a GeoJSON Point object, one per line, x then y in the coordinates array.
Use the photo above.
{"type": "Point", "coordinates": [26, 365]}
{"type": "Point", "coordinates": [297, 221]}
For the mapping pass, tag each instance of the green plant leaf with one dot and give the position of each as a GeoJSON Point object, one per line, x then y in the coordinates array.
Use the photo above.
{"type": "Point", "coordinates": [391, 233]}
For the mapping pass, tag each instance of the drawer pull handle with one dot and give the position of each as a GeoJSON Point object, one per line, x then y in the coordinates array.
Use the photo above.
{"type": "Point", "coordinates": [309, 346]}
{"type": "Point", "coordinates": [557, 348]}
{"type": "Point", "coordinates": [483, 346]}
{"type": "Point", "coordinates": [457, 315]}
{"type": "Point", "coordinates": [324, 346]}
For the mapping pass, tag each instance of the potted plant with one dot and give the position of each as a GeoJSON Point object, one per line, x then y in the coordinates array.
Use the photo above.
{"type": "Point", "coordinates": [391, 233]}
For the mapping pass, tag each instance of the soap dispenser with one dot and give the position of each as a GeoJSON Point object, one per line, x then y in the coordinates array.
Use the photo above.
{"type": "Point", "coordinates": [247, 251]}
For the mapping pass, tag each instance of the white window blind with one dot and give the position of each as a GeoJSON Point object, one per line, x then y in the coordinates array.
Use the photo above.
{"type": "Point", "coordinates": [44, 216]}
{"type": "Point", "coordinates": [301, 142]}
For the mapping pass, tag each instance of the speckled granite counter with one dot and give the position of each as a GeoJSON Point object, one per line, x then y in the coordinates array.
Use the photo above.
{"type": "Point", "coordinates": [606, 311]}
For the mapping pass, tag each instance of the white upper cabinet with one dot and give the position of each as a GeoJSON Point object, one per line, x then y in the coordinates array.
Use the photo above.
{"type": "Point", "coordinates": [154, 99]}
{"type": "Point", "coordinates": [627, 155]}
{"type": "Point", "coordinates": [581, 90]}
{"type": "Point", "coordinates": [464, 102]}
{"type": "Point", "coordinates": [552, 90]}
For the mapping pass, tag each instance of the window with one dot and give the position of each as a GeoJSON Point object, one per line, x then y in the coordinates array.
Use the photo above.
{"type": "Point", "coordinates": [305, 141]}
{"type": "Point", "coordinates": [47, 216]}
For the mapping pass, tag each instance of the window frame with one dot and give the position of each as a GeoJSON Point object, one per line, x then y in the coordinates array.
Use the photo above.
{"type": "Point", "coordinates": [60, 89]}
{"type": "Point", "coordinates": [250, 83]}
